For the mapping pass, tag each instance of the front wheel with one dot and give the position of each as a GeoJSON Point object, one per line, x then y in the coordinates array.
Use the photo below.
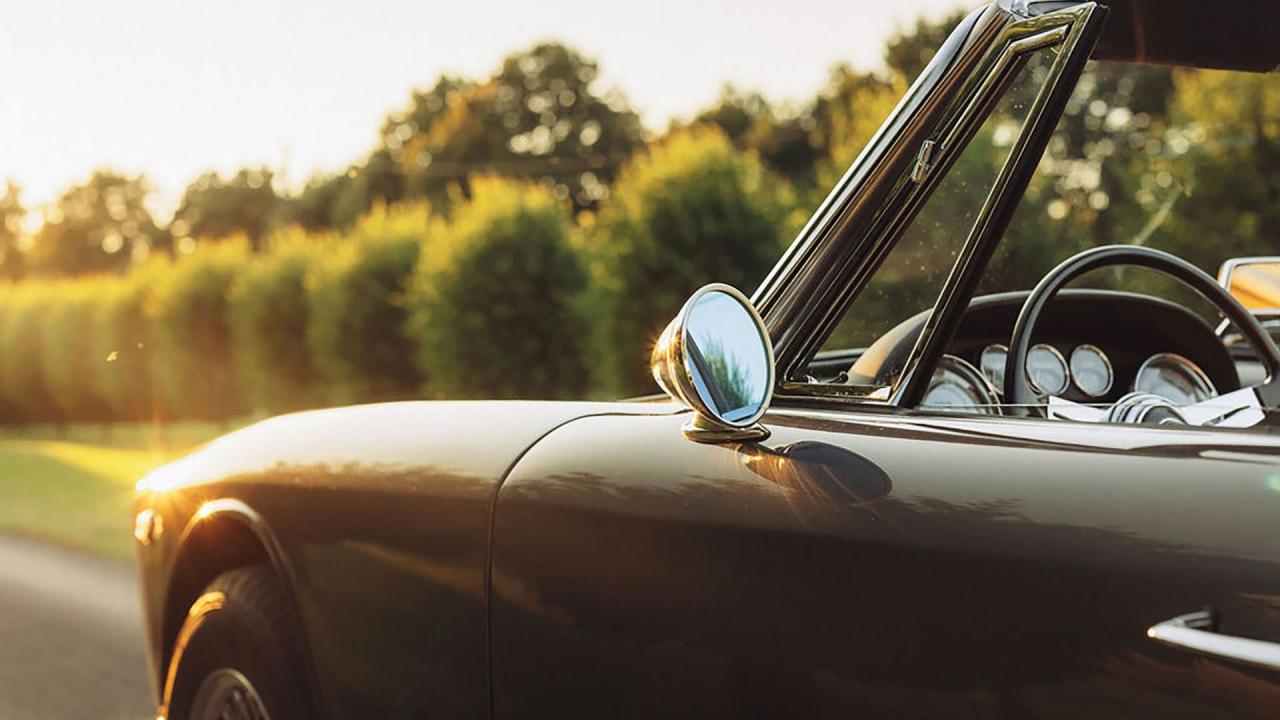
{"type": "Point", "coordinates": [239, 654]}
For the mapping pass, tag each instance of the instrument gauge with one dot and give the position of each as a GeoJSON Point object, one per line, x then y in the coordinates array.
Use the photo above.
{"type": "Point", "coordinates": [1175, 378]}
{"type": "Point", "coordinates": [1047, 370]}
{"type": "Point", "coordinates": [992, 363]}
{"type": "Point", "coordinates": [1091, 370]}
{"type": "Point", "coordinates": [957, 386]}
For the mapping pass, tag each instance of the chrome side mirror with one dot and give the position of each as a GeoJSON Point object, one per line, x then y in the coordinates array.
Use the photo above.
{"type": "Point", "coordinates": [1254, 281]}
{"type": "Point", "coordinates": [716, 358]}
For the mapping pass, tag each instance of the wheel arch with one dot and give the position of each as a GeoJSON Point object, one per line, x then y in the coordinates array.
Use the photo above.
{"type": "Point", "coordinates": [224, 534]}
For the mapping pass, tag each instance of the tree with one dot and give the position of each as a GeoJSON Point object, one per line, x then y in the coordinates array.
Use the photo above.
{"type": "Point", "coordinates": [214, 208]}
{"type": "Point", "coordinates": [784, 140]}
{"type": "Point", "coordinates": [24, 387]}
{"type": "Point", "coordinates": [909, 51]}
{"type": "Point", "coordinates": [736, 113]}
{"type": "Point", "coordinates": [690, 211]}
{"type": "Point", "coordinates": [376, 181]}
{"type": "Point", "coordinates": [315, 207]}
{"type": "Point", "coordinates": [127, 361]}
{"type": "Point", "coordinates": [537, 117]}
{"type": "Point", "coordinates": [67, 350]}
{"type": "Point", "coordinates": [1223, 149]}
{"type": "Point", "coordinates": [12, 213]}
{"type": "Point", "coordinates": [190, 325]}
{"type": "Point", "coordinates": [494, 302]}
{"type": "Point", "coordinates": [383, 177]}
{"type": "Point", "coordinates": [356, 307]}
{"type": "Point", "coordinates": [409, 126]}
{"type": "Point", "coordinates": [100, 226]}
{"type": "Point", "coordinates": [846, 114]}
{"type": "Point", "coordinates": [268, 306]}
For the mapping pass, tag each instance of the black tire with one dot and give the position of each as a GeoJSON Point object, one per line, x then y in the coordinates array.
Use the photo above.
{"type": "Point", "coordinates": [243, 654]}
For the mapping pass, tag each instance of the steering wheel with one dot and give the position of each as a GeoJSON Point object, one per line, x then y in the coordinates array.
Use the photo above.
{"type": "Point", "coordinates": [1017, 388]}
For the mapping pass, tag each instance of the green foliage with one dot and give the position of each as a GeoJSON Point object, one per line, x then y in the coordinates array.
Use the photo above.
{"type": "Point", "coordinates": [214, 208]}
{"type": "Point", "coordinates": [99, 226]}
{"type": "Point", "coordinates": [356, 294]}
{"type": "Point", "coordinates": [691, 211]}
{"type": "Point", "coordinates": [908, 52]}
{"type": "Point", "coordinates": [494, 301]}
{"type": "Point", "coordinates": [67, 352]}
{"type": "Point", "coordinates": [378, 181]}
{"type": "Point", "coordinates": [190, 328]}
{"type": "Point", "coordinates": [23, 381]}
{"type": "Point", "coordinates": [1225, 152]}
{"type": "Point", "coordinates": [269, 313]}
{"type": "Point", "coordinates": [12, 212]}
{"type": "Point", "coordinates": [784, 139]}
{"type": "Point", "coordinates": [539, 117]}
{"type": "Point", "coordinates": [122, 347]}
{"type": "Point", "coordinates": [846, 115]}
{"type": "Point", "coordinates": [316, 207]}
{"type": "Point", "coordinates": [373, 298]}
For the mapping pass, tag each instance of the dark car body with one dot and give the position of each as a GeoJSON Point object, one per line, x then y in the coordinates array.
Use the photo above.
{"type": "Point", "coordinates": [872, 558]}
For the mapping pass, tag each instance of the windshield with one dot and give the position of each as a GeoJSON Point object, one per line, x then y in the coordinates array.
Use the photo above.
{"type": "Point", "coordinates": [1177, 159]}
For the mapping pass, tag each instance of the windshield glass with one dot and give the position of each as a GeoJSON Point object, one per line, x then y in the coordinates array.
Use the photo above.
{"type": "Point", "coordinates": [1177, 159]}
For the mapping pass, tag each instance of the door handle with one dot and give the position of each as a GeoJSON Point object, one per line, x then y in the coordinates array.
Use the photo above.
{"type": "Point", "coordinates": [1197, 632]}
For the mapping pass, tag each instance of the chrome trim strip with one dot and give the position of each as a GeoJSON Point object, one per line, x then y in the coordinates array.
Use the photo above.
{"type": "Point", "coordinates": [1194, 632]}
{"type": "Point", "coordinates": [1229, 267]}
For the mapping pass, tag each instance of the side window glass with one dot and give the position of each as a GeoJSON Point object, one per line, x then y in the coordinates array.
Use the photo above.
{"type": "Point", "coordinates": [907, 284]}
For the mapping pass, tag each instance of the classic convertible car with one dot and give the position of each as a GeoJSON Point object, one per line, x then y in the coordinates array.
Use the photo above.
{"type": "Point", "coordinates": [913, 476]}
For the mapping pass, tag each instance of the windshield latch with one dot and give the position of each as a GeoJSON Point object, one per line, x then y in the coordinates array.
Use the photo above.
{"type": "Point", "coordinates": [925, 161]}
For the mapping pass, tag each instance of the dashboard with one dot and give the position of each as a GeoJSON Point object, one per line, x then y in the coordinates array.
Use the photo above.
{"type": "Point", "coordinates": [1091, 346]}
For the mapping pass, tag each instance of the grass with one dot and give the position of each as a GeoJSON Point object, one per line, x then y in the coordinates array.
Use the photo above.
{"type": "Point", "coordinates": [74, 485]}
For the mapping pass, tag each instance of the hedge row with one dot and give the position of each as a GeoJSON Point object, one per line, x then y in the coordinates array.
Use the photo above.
{"type": "Point", "coordinates": [507, 297]}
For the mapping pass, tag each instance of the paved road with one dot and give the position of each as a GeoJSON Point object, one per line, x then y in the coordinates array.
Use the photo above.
{"type": "Point", "coordinates": [70, 636]}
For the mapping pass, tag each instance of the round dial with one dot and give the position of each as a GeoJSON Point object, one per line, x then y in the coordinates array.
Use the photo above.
{"type": "Point", "coordinates": [1047, 370]}
{"type": "Point", "coordinates": [992, 364]}
{"type": "Point", "coordinates": [1175, 378]}
{"type": "Point", "coordinates": [957, 386]}
{"type": "Point", "coordinates": [1091, 370]}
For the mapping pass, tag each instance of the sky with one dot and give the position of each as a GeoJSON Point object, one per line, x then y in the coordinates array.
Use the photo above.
{"type": "Point", "coordinates": [173, 88]}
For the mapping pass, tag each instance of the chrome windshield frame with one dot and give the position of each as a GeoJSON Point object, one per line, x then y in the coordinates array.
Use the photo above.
{"type": "Point", "coordinates": [861, 220]}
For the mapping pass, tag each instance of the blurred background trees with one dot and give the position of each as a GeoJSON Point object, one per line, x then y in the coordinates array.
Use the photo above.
{"type": "Point", "coordinates": [102, 225]}
{"type": "Point", "coordinates": [12, 213]}
{"type": "Point", "coordinates": [356, 293]}
{"type": "Point", "coordinates": [538, 117]}
{"type": "Point", "coordinates": [494, 304]}
{"type": "Point", "coordinates": [690, 211]}
{"type": "Point", "coordinates": [245, 204]}
{"type": "Point", "coordinates": [522, 235]}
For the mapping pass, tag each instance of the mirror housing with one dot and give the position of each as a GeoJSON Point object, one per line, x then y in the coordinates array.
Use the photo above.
{"type": "Point", "coordinates": [716, 358]}
{"type": "Point", "coordinates": [1254, 281]}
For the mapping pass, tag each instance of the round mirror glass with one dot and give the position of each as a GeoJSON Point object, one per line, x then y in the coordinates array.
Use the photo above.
{"type": "Point", "coordinates": [727, 357]}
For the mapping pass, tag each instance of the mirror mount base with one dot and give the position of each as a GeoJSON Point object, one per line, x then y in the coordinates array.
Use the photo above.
{"type": "Point", "coordinates": [701, 430]}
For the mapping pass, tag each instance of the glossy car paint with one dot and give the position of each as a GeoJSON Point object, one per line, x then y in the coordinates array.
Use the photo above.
{"type": "Point", "coordinates": [874, 560]}
{"type": "Point", "coordinates": [379, 518]}
{"type": "Point", "coordinates": [861, 564]}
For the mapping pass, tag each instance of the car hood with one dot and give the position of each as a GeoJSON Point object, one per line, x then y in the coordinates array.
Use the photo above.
{"type": "Point", "coordinates": [481, 437]}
